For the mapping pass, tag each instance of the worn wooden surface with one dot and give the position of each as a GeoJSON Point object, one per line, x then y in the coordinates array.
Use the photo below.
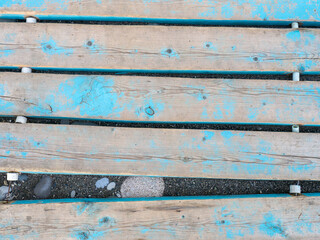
{"type": "Point", "coordinates": [159, 152]}
{"type": "Point", "coordinates": [159, 47]}
{"type": "Point", "coordinates": [276, 10]}
{"type": "Point", "coordinates": [136, 98]}
{"type": "Point", "coordinates": [236, 218]}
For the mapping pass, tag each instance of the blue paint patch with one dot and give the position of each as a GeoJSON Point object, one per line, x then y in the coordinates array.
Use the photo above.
{"type": "Point", "coordinates": [35, 5]}
{"type": "Point", "coordinates": [227, 11]}
{"type": "Point", "coordinates": [226, 228]}
{"type": "Point", "coordinates": [208, 135]}
{"type": "Point", "coordinates": [197, 91]}
{"type": "Point", "coordinates": [10, 37]}
{"type": "Point", "coordinates": [253, 114]}
{"type": "Point", "coordinates": [89, 95]}
{"type": "Point", "coordinates": [5, 52]}
{"type": "Point", "coordinates": [272, 226]}
{"type": "Point", "coordinates": [204, 114]}
{"type": "Point", "coordinates": [5, 106]}
{"type": "Point", "coordinates": [86, 207]}
{"type": "Point", "coordinates": [107, 222]}
{"type": "Point", "coordinates": [210, 12]}
{"type": "Point", "coordinates": [152, 107]}
{"type": "Point", "coordinates": [209, 45]}
{"type": "Point", "coordinates": [87, 234]}
{"type": "Point", "coordinates": [50, 47]}
{"type": "Point", "coordinates": [294, 35]}
{"type": "Point", "coordinates": [229, 134]}
{"type": "Point", "coordinates": [94, 48]}
{"type": "Point", "coordinates": [170, 53]}
{"type": "Point", "coordinates": [307, 65]}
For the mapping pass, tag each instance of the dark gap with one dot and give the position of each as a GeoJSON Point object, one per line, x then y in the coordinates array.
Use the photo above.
{"type": "Point", "coordinates": [184, 75]}
{"type": "Point", "coordinates": [84, 186]}
{"type": "Point", "coordinates": [173, 22]}
{"type": "Point", "coordinates": [209, 126]}
{"type": "Point", "coordinates": [171, 73]}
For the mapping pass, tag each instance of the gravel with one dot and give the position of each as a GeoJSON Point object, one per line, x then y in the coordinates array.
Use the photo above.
{"type": "Point", "coordinates": [84, 186]}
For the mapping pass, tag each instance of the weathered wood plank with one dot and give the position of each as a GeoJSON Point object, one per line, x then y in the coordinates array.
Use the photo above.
{"type": "Point", "coordinates": [136, 98]}
{"type": "Point", "coordinates": [277, 10]}
{"type": "Point", "coordinates": [159, 47]}
{"type": "Point", "coordinates": [281, 217]}
{"type": "Point", "coordinates": [159, 152]}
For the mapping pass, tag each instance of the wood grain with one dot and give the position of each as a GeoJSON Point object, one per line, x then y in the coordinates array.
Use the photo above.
{"type": "Point", "coordinates": [136, 98]}
{"type": "Point", "coordinates": [262, 10]}
{"type": "Point", "coordinates": [220, 49]}
{"type": "Point", "coordinates": [159, 152]}
{"type": "Point", "coordinates": [235, 218]}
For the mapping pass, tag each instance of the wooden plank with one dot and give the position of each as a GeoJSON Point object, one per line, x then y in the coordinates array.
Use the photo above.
{"type": "Point", "coordinates": [159, 47]}
{"type": "Point", "coordinates": [159, 152]}
{"type": "Point", "coordinates": [278, 10]}
{"type": "Point", "coordinates": [280, 217]}
{"type": "Point", "coordinates": [136, 98]}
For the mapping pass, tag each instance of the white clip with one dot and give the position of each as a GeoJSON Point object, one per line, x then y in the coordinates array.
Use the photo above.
{"type": "Point", "coordinates": [296, 76]}
{"type": "Point", "coordinates": [21, 119]}
{"type": "Point", "coordinates": [26, 70]}
{"type": "Point", "coordinates": [295, 189]}
{"type": "Point", "coordinates": [31, 20]}
{"type": "Point", "coordinates": [295, 25]}
{"type": "Point", "coordinates": [12, 176]}
{"type": "Point", "coordinates": [295, 128]}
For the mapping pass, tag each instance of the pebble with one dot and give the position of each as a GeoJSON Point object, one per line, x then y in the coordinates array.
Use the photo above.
{"type": "Point", "coordinates": [136, 187]}
{"type": "Point", "coordinates": [111, 186]}
{"type": "Point", "coordinates": [102, 183]}
{"type": "Point", "coordinates": [3, 192]}
{"type": "Point", "coordinates": [73, 194]}
{"type": "Point", "coordinates": [23, 178]}
{"type": "Point", "coordinates": [43, 188]}
{"type": "Point", "coordinates": [118, 194]}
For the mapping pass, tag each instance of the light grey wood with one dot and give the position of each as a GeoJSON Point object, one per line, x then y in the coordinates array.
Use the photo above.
{"type": "Point", "coordinates": [159, 152]}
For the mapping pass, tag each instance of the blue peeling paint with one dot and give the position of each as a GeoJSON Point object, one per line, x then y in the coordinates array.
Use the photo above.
{"type": "Point", "coordinates": [208, 135]}
{"type": "Point", "coordinates": [5, 52]}
{"type": "Point", "coordinates": [94, 48]}
{"type": "Point", "coordinates": [209, 45]}
{"type": "Point", "coordinates": [229, 134]}
{"type": "Point", "coordinates": [35, 5]}
{"type": "Point", "coordinates": [227, 11]}
{"type": "Point", "coordinates": [87, 234]}
{"type": "Point", "coordinates": [5, 106]}
{"type": "Point", "coordinates": [107, 222]}
{"type": "Point", "coordinates": [170, 53]}
{"type": "Point", "coordinates": [294, 35]}
{"type": "Point", "coordinates": [272, 226]}
{"type": "Point", "coordinates": [86, 207]}
{"type": "Point", "coordinates": [50, 47]}
{"type": "Point", "coordinates": [90, 95]}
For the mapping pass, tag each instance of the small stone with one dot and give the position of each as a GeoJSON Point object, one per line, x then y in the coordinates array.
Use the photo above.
{"type": "Point", "coordinates": [111, 186]}
{"type": "Point", "coordinates": [5, 182]}
{"type": "Point", "coordinates": [43, 188]}
{"type": "Point", "coordinates": [102, 183]}
{"type": "Point", "coordinates": [73, 194]}
{"type": "Point", "coordinates": [3, 192]}
{"type": "Point", "coordinates": [136, 187]}
{"type": "Point", "coordinates": [23, 178]}
{"type": "Point", "coordinates": [118, 194]}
